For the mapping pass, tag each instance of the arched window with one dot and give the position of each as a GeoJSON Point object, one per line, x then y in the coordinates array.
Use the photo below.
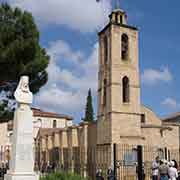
{"type": "Point", "coordinates": [105, 49]}
{"type": "Point", "coordinates": [116, 18]}
{"type": "Point", "coordinates": [104, 92]}
{"type": "Point", "coordinates": [54, 124]}
{"type": "Point", "coordinates": [125, 88]}
{"type": "Point", "coordinates": [124, 47]}
{"type": "Point", "coordinates": [143, 119]}
{"type": "Point", "coordinates": [39, 122]}
{"type": "Point", "coordinates": [121, 19]}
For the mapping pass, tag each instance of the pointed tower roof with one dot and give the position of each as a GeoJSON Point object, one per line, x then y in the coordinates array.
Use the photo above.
{"type": "Point", "coordinates": [118, 17]}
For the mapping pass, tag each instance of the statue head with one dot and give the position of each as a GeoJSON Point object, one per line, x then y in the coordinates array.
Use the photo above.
{"type": "Point", "coordinates": [22, 93]}
{"type": "Point", "coordinates": [24, 84]}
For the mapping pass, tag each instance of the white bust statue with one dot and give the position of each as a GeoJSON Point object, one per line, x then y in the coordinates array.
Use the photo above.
{"type": "Point", "coordinates": [22, 93]}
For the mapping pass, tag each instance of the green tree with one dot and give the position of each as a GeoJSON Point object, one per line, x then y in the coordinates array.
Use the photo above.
{"type": "Point", "coordinates": [20, 54]}
{"type": "Point", "coordinates": [89, 113]}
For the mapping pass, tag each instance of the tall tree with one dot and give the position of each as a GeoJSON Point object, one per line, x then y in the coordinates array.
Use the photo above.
{"type": "Point", "coordinates": [20, 54]}
{"type": "Point", "coordinates": [89, 113]}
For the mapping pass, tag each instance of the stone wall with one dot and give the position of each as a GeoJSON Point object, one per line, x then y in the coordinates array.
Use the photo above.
{"type": "Point", "coordinates": [72, 143]}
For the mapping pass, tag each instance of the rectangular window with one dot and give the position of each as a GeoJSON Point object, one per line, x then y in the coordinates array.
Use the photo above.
{"type": "Point", "coordinates": [104, 93]}
{"type": "Point", "coordinates": [105, 50]}
{"type": "Point", "coordinates": [116, 18]}
{"type": "Point", "coordinates": [54, 124]}
{"type": "Point", "coordinates": [121, 19]}
{"type": "Point", "coordinates": [143, 119]}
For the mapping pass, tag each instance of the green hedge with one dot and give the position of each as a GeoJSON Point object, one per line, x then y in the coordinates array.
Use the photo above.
{"type": "Point", "coordinates": [62, 176]}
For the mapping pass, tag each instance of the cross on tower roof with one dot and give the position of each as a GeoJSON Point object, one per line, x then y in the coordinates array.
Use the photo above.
{"type": "Point", "coordinates": [117, 4]}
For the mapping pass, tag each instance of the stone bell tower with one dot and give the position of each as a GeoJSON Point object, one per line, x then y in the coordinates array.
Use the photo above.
{"type": "Point", "coordinates": [118, 83]}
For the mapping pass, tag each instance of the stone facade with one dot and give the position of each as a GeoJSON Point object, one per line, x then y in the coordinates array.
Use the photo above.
{"type": "Point", "coordinates": [125, 122]}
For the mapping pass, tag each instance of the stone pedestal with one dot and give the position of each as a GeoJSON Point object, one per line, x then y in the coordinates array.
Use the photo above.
{"type": "Point", "coordinates": [21, 177]}
{"type": "Point", "coordinates": [22, 156]}
{"type": "Point", "coordinates": [22, 153]}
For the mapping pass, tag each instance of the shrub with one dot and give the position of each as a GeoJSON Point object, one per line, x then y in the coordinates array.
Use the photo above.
{"type": "Point", "coordinates": [62, 176]}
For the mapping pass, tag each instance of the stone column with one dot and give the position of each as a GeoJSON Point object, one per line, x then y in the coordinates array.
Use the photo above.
{"type": "Point", "coordinates": [60, 149]}
{"type": "Point", "coordinates": [22, 154]}
{"type": "Point", "coordinates": [85, 146]}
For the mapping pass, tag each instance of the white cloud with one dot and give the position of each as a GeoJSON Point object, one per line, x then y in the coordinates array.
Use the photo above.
{"type": "Point", "coordinates": [56, 99]}
{"type": "Point", "coordinates": [66, 91]}
{"type": "Point", "coordinates": [60, 50]}
{"type": "Point", "coordinates": [153, 76]}
{"type": "Point", "coordinates": [82, 15]}
{"type": "Point", "coordinates": [171, 103]}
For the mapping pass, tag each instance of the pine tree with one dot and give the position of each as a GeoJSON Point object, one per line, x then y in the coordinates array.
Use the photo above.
{"type": "Point", "coordinates": [89, 114]}
{"type": "Point", "coordinates": [20, 54]}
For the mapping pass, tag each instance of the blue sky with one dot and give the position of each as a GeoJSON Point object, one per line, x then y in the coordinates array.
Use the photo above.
{"type": "Point", "coordinates": [69, 33]}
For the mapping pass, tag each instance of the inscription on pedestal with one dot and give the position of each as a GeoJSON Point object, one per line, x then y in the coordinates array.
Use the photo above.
{"type": "Point", "coordinates": [24, 152]}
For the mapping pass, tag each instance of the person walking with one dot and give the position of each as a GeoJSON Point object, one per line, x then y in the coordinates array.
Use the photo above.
{"type": "Point", "coordinates": [48, 169]}
{"type": "Point", "coordinates": [99, 175]}
{"type": "Point", "coordinates": [110, 174]}
{"type": "Point", "coordinates": [175, 164]}
{"type": "Point", "coordinates": [43, 167]}
{"type": "Point", "coordinates": [172, 171]}
{"type": "Point", "coordinates": [155, 168]}
{"type": "Point", "coordinates": [163, 170]}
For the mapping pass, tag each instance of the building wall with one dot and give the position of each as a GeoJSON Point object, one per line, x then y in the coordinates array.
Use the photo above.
{"type": "Point", "coordinates": [156, 133]}
{"type": "Point", "coordinates": [38, 122]}
{"type": "Point", "coordinates": [4, 134]}
{"type": "Point", "coordinates": [92, 135]}
{"type": "Point", "coordinates": [47, 122]}
{"type": "Point", "coordinates": [125, 125]}
{"type": "Point", "coordinates": [161, 138]}
{"type": "Point", "coordinates": [150, 117]}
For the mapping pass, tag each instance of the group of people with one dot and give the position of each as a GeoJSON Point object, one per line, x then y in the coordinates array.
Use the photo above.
{"type": "Point", "coordinates": [3, 169]}
{"type": "Point", "coordinates": [161, 170]}
{"type": "Point", "coordinates": [110, 174]}
{"type": "Point", "coordinates": [164, 170]}
{"type": "Point", "coordinates": [46, 167]}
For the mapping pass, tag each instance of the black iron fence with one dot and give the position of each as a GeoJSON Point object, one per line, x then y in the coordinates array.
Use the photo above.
{"type": "Point", "coordinates": [135, 162]}
{"type": "Point", "coordinates": [129, 162]}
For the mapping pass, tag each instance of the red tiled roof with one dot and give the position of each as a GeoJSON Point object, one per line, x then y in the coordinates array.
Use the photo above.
{"type": "Point", "coordinates": [172, 118]}
{"type": "Point", "coordinates": [39, 113]}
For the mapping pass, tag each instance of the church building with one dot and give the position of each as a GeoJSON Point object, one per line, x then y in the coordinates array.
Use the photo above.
{"type": "Point", "coordinates": [121, 119]}
{"type": "Point", "coordinates": [121, 116]}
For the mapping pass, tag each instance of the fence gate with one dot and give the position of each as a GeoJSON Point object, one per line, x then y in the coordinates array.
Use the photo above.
{"type": "Point", "coordinates": [126, 162]}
